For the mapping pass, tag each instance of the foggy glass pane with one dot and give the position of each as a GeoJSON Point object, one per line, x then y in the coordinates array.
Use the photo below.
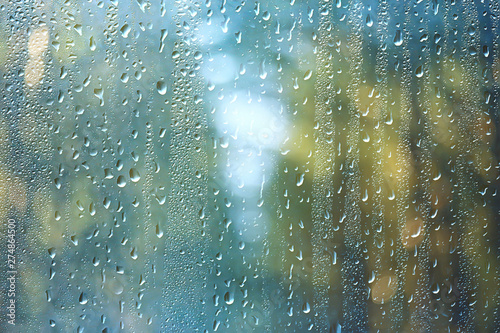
{"type": "Point", "coordinates": [249, 166]}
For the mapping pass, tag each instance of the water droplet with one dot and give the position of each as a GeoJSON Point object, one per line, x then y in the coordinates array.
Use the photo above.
{"type": "Point", "coordinates": [398, 38]}
{"type": "Point", "coordinates": [161, 86]}
{"type": "Point", "coordinates": [125, 30]}
{"type": "Point", "coordinates": [175, 55]}
{"type": "Point", "coordinates": [229, 297]}
{"type": "Point", "coordinates": [419, 72]}
{"type": "Point", "coordinates": [300, 179]}
{"type": "Point", "coordinates": [369, 21]}
{"type": "Point", "coordinates": [308, 75]}
{"type": "Point", "coordinates": [52, 252]}
{"type": "Point", "coordinates": [92, 44]}
{"type": "Point", "coordinates": [121, 181]}
{"type": "Point", "coordinates": [306, 308]}
{"type": "Point", "coordinates": [159, 232]}
{"type": "Point", "coordinates": [83, 298]}
{"type": "Point", "coordinates": [262, 70]}
{"type": "Point", "coordinates": [134, 175]}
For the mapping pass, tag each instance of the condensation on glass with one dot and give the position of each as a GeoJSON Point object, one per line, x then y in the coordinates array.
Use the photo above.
{"type": "Point", "coordinates": [246, 166]}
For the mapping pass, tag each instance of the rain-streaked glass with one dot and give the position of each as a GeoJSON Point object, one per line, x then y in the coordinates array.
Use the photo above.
{"type": "Point", "coordinates": [249, 166]}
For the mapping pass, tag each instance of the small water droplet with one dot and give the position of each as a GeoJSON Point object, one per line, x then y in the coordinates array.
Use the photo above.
{"type": "Point", "coordinates": [52, 252]}
{"type": "Point", "coordinates": [262, 70]}
{"type": "Point", "coordinates": [300, 179]}
{"type": "Point", "coordinates": [92, 44]}
{"type": "Point", "coordinates": [308, 75]}
{"type": "Point", "coordinates": [159, 232]}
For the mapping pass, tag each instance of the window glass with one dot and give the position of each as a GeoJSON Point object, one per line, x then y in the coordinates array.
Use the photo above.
{"type": "Point", "coordinates": [249, 166]}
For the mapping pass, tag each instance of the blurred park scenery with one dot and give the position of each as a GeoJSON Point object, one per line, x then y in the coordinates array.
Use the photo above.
{"type": "Point", "coordinates": [250, 166]}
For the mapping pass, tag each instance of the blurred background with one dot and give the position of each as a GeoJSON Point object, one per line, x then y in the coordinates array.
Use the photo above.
{"type": "Point", "coordinates": [246, 166]}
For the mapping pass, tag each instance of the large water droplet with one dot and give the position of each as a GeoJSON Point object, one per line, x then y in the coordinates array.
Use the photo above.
{"type": "Point", "coordinates": [161, 86]}
{"type": "Point", "coordinates": [83, 298]}
{"type": "Point", "coordinates": [121, 181]}
{"type": "Point", "coordinates": [398, 38]}
{"type": "Point", "coordinates": [134, 175]}
{"type": "Point", "coordinates": [229, 297]}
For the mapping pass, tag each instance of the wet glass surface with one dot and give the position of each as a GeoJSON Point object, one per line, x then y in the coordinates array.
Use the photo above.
{"type": "Point", "coordinates": [249, 166]}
